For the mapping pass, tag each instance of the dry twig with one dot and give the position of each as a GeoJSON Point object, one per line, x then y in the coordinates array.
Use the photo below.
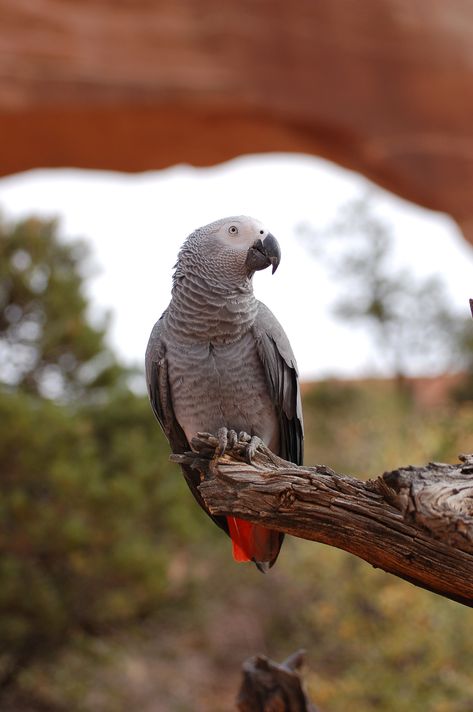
{"type": "Point", "coordinates": [271, 687]}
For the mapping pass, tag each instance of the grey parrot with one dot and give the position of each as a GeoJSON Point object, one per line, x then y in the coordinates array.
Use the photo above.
{"type": "Point", "coordinates": [218, 361]}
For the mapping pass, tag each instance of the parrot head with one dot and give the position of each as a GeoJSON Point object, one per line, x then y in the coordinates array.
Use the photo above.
{"type": "Point", "coordinates": [236, 247]}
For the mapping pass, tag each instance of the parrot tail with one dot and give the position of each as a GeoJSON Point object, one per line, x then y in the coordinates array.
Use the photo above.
{"type": "Point", "coordinates": [252, 542]}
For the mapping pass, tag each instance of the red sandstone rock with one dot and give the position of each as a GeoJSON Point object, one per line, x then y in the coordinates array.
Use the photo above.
{"type": "Point", "coordinates": [382, 86]}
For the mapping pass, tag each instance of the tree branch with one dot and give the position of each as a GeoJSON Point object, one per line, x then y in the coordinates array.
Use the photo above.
{"type": "Point", "coordinates": [270, 686]}
{"type": "Point", "coordinates": [415, 522]}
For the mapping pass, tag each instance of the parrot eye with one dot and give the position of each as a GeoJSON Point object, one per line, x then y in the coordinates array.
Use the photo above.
{"type": "Point", "coordinates": [233, 230]}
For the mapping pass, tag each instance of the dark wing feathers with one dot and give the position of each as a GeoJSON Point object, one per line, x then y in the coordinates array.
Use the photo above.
{"type": "Point", "coordinates": [161, 402]}
{"type": "Point", "coordinates": [159, 391]}
{"type": "Point", "coordinates": [281, 372]}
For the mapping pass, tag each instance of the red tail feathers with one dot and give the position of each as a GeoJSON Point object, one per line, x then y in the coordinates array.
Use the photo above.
{"type": "Point", "coordinates": [252, 542]}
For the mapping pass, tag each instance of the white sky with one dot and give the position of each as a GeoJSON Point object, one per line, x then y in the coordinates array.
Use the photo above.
{"type": "Point", "coordinates": [136, 224]}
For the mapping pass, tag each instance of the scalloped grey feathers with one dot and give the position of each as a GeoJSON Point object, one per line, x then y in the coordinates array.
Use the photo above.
{"type": "Point", "coordinates": [218, 357]}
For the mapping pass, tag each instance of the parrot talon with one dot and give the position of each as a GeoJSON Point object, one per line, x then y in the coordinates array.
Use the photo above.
{"type": "Point", "coordinates": [227, 439]}
{"type": "Point", "coordinates": [232, 439]}
{"type": "Point", "coordinates": [251, 443]}
{"type": "Point", "coordinates": [222, 437]}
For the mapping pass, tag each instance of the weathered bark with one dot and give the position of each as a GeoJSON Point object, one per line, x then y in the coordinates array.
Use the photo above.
{"type": "Point", "coordinates": [268, 686]}
{"type": "Point", "coordinates": [414, 522]}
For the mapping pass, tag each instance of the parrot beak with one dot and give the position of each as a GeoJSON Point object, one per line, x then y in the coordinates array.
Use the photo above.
{"type": "Point", "coordinates": [263, 253]}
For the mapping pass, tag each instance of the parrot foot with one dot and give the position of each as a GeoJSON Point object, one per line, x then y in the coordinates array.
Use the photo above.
{"type": "Point", "coordinates": [228, 440]}
{"type": "Point", "coordinates": [253, 443]}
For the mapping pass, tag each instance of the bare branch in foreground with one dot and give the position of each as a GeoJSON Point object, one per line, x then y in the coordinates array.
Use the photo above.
{"type": "Point", "coordinates": [414, 522]}
{"type": "Point", "coordinates": [270, 686]}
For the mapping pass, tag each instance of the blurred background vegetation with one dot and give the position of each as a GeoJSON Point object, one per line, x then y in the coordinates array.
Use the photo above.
{"type": "Point", "coordinates": [115, 591]}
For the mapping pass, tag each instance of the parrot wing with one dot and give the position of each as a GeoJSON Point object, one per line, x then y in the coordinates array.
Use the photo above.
{"type": "Point", "coordinates": [280, 367]}
{"type": "Point", "coordinates": [160, 397]}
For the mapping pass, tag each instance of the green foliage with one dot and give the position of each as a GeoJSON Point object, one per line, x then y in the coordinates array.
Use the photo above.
{"type": "Point", "coordinates": [364, 428]}
{"type": "Point", "coordinates": [382, 645]}
{"type": "Point", "coordinates": [77, 550]}
{"type": "Point", "coordinates": [375, 642]}
{"type": "Point", "coordinates": [47, 344]}
{"type": "Point", "coordinates": [464, 392]}
{"type": "Point", "coordinates": [89, 507]}
{"type": "Point", "coordinates": [412, 324]}
{"type": "Point", "coordinates": [91, 516]}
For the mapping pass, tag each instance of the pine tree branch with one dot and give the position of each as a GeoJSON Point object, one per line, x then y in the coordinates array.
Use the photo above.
{"type": "Point", "coordinates": [414, 522]}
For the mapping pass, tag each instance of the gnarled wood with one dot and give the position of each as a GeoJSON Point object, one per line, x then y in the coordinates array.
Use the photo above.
{"type": "Point", "coordinates": [414, 522]}
{"type": "Point", "coordinates": [268, 686]}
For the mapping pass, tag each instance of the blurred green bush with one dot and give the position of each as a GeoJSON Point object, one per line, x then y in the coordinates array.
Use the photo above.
{"type": "Point", "coordinates": [87, 519]}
